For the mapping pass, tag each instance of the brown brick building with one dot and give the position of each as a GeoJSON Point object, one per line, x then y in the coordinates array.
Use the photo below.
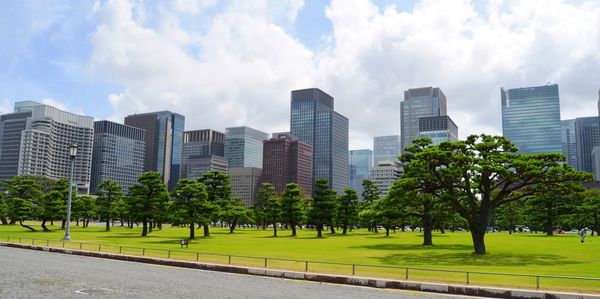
{"type": "Point", "coordinates": [287, 160]}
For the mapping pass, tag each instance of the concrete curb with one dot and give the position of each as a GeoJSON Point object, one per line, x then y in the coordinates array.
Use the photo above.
{"type": "Point", "coordinates": [327, 278]}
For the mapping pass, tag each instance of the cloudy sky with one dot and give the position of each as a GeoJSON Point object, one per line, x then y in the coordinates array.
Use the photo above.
{"type": "Point", "coordinates": [230, 63]}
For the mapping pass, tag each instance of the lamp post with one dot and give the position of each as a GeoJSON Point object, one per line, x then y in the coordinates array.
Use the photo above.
{"type": "Point", "coordinates": [72, 155]}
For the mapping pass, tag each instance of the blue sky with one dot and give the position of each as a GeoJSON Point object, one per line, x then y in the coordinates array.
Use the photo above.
{"type": "Point", "coordinates": [226, 63]}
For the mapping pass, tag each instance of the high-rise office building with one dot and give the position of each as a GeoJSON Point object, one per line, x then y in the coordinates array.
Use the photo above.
{"type": "Point", "coordinates": [587, 136]}
{"type": "Point", "coordinates": [438, 128]}
{"type": "Point", "coordinates": [384, 174]}
{"type": "Point", "coordinates": [118, 154]}
{"type": "Point", "coordinates": [386, 148]}
{"type": "Point", "coordinates": [286, 159]}
{"type": "Point", "coordinates": [596, 162]}
{"type": "Point", "coordinates": [36, 140]}
{"type": "Point", "coordinates": [245, 182]}
{"type": "Point", "coordinates": [531, 118]}
{"type": "Point", "coordinates": [569, 141]}
{"type": "Point", "coordinates": [314, 121]}
{"type": "Point", "coordinates": [418, 103]}
{"type": "Point", "coordinates": [163, 139]}
{"type": "Point", "coordinates": [361, 162]}
{"type": "Point", "coordinates": [203, 151]}
{"type": "Point", "coordinates": [244, 147]}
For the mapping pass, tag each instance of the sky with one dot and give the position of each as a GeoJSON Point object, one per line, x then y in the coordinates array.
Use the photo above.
{"type": "Point", "coordinates": [233, 63]}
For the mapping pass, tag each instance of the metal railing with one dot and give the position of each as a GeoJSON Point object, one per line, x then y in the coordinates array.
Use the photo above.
{"type": "Point", "coordinates": [399, 273]}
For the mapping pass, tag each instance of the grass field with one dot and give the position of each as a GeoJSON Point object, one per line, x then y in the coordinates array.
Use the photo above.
{"type": "Point", "coordinates": [520, 253]}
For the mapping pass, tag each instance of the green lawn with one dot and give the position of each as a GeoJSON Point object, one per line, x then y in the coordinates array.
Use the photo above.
{"type": "Point", "coordinates": [522, 253]}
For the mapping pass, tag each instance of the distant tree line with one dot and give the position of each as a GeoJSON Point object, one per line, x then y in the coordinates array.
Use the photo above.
{"type": "Point", "coordinates": [472, 185]}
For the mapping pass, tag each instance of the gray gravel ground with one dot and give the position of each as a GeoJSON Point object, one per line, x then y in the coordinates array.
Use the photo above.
{"type": "Point", "coordinates": [36, 274]}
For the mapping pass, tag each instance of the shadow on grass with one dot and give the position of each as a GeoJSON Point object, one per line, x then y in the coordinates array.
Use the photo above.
{"type": "Point", "coordinates": [400, 247]}
{"type": "Point", "coordinates": [469, 259]}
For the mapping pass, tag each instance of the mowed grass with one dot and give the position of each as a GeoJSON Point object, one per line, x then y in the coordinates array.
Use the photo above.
{"type": "Point", "coordinates": [520, 253]}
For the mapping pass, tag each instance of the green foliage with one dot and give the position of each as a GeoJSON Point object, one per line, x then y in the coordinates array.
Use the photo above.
{"type": "Point", "coordinates": [509, 215]}
{"type": "Point", "coordinates": [273, 212]}
{"type": "Point", "coordinates": [466, 174]}
{"type": "Point", "coordinates": [323, 208]}
{"type": "Point", "coordinates": [235, 213]}
{"type": "Point", "coordinates": [88, 209]}
{"type": "Point", "coordinates": [148, 199]}
{"type": "Point", "coordinates": [370, 191]}
{"type": "Point", "coordinates": [347, 209]}
{"type": "Point", "coordinates": [109, 192]}
{"type": "Point", "coordinates": [292, 206]}
{"type": "Point", "coordinates": [218, 189]}
{"type": "Point", "coordinates": [3, 209]}
{"type": "Point", "coordinates": [191, 202]}
{"type": "Point", "coordinates": [589, 209]}
{"type": "Point", "coordinates": [266, 191]}
{"type": "Point", "coordinates": [51, 206]}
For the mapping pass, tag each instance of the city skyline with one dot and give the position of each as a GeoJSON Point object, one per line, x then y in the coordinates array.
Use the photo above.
{"type": "Point", "coordinates": [74, 63]}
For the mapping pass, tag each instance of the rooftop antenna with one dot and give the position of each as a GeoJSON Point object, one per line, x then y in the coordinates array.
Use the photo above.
{"type": "Point", "coordinates": [548, 83]}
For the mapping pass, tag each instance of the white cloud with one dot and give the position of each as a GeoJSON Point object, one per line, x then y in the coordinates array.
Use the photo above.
{"type": "Point", "coordinates": [240, 71]}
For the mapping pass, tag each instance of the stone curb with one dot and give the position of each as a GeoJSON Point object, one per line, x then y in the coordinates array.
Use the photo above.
{"type": "Point", "coordinates": [327, 278]}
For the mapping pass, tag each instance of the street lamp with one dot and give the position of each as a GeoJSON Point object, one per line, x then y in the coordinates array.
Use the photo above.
{"type": "Point", "coordinates": [72, 155]}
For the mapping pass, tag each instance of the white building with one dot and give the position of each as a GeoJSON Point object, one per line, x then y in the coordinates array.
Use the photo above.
{"type": "Point", "coordinates": [385, 174]}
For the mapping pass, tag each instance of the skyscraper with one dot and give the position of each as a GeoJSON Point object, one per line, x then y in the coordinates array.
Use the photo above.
{"type": "Point", "coordinates": [118, 154]}
{"type": "Point", "coordinates": [384, 174]}
{"type": "Point", "coordinates": [531, 118]}
{"type": "Point", "coordinates": [386, 148]}
{"type": "Point", "coordinates": [438, 128]}
{"type": "Point", "coordinates": [286, 159]}
{"type": "Point", "coordinates": [587, 136]}
{"type": "Point", "coordinates": [244, 147]}
{"type": "Point", "coordinates": [163, 139]}
{"type": "Point", "coordinates": [314, 121]}
{"type": "Point", "coordinates": [203, 151]}
{"type": "Point", "coordinates": [418, 103]}
{"type": "Point", "coordinates": [569, 141]}
{"type": "Point", "coordinates": [245, 183]}
{"type": "Point", "coordinates": [361, 162]}
{"type": "Point", "coordinates": [36, 140]}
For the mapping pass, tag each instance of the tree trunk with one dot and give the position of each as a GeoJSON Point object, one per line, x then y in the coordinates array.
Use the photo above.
{"type": "Point", "coordinates": [107, 225]}
{"type": "Point", "coordinates": [387, 231]}
{"type": "Point", "coordinates": [232, 226]}
{"type": "Point", "coordinates": [160, 225]}
{"type": "Point", "coordinates": [332, 229]}
{"type": "Point", "coordinates": [442, 230]}
{"type": "Point", "coordinates": [150, 226]}
{"type": "Point", "coordinates": [319, 229]}
{"type": "Point", "coordinates": [206, 230]}
{"type": "Point", "coordinates": [44, 226]}
{"type": "Point", "coordinates": [192, 231]}
{"type": "Point", "coordinates": [3, 220]}
{"type": "Point", "coordinates": [478, 235]}
{"type": "Point", "coordinates": [293, 226]}
{"type": "Point", "coordinates": [274, 229]}
{"type": "Point", "coordinates": [26, 226]}
{"type": "Point", "coordinates": [77, 222]}
{"type": "Point", "coordinates": [144, 228]}
{"type": "Point", "coordinates": [12, 221]}
{"type": "Point", "coordinates": [51, 222]}
{"type": "Point", "coordinates": [62, 226]}
{"type": "Point", "coordinates": [344, 228]}
{"type": "Point", "coordinates": [549, 221]}
{"type": "Point", "coordinates": [427, 230]}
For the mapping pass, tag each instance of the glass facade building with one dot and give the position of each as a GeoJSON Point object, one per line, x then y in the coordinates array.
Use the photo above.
{"type": "Point", "coordinates": [244, 147]}
{"type": "Point", "coordinates": [314, 122]}
{"type": "Point", "coordinates": [531, 118]}
{"type": "Point", "coordinates": [438, 128]}
{"type": "Point", "coordinates": [361, 162]}
{"type": "Point", "coordinates": [163, 142]}
{"type": "Point", "coordinates": [386, 148]}
{"type": "Point", "coordinates": [569, 141]}
{"type": "Point", "coordinates": [587, 136]}
{"type": "Point", "coordinates": [418, 103]}
{"type": "Point", "coordinates": [118, 154]}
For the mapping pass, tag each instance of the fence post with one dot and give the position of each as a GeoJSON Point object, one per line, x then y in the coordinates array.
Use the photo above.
{"type": "Point", "coordinates": [197, 256]}
{"type": "Point", "coordinates": [80, 245]}
{"type": "Point", "coordinates": [32, 241]}
{"type": "Point", "coordinates": [47, 243]}
{"type": "Point", "coordinates": [406, 277]}
{"type": "Point", "coordinates": [537, 281]}
{"type": "Point", "coordinates": [63, 244]}
{"type": "Point", "coordinates": [265, 262]}
{"type": "Point", "coordinates": [468, 278]}
{"type": "Point", "coordinates": [169, 256]}
{"type": "Point", "coordinates": [306, 266]}
{"type": "Point", "coordinates": [99, 247]}
{"type": "Point", "coordinates": [229, 259]}
{"type": "Point", "coordinates": [19, 240]}
{"type": "Point", "coordinates": [120, 249]}
{"type": "Point", "coordinates": [353, 269]}
{"type": "Point", "coordinates": [143, 251]}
